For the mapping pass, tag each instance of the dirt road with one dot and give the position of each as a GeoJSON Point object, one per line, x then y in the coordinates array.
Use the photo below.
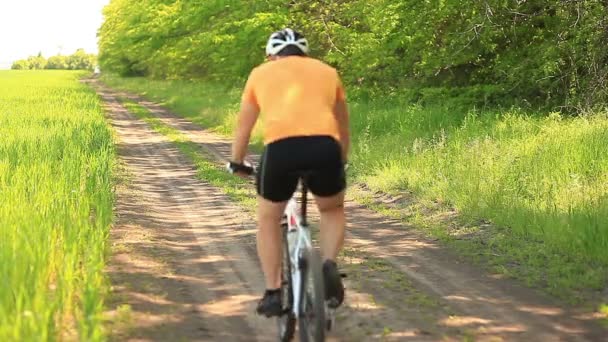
{"type": "Point", "coordinates": [184, 267]}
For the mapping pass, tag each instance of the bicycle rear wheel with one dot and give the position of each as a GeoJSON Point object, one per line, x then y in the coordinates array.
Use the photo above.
{"type": "Point", "coordinates": [286, 323]}
{"type": "Point", "coordinates": [311, 318]}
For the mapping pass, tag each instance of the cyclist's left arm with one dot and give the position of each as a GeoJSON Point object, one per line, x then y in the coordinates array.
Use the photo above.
{"type": "Point", "coordinates": [248, 115]}
{"type": "Point", "coordinates": [246, 120]}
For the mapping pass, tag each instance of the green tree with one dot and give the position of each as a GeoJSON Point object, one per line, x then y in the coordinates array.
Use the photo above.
{"type": "Point", "coordinates": [58, 62]}
{"type": "Point", "coordinates": [36, 62]}
{"type": "Point", "coordinates": [549, 53]}
{"type": "Point", "coordinates": [80, 60]}
{"type": "Point", "coordinates": [21, 64]}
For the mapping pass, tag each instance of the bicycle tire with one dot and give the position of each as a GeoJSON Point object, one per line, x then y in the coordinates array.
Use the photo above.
{"type": "Point", "coordinates": [286, 323]}
{"type": "Point", "coordinates": [311, 318]}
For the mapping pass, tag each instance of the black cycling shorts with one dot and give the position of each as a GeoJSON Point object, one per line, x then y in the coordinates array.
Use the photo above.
{"type": "Point", "coordinates": [283, 161]}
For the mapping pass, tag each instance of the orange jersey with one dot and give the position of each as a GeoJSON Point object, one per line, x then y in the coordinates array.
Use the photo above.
{"type": "Point", "coordinates": [296, 97]}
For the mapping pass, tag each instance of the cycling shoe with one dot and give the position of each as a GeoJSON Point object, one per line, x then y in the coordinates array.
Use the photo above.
{"type": "Point", "coordinates": [270, 304]}
{"type": "Point", "coordinates": [334, 289]}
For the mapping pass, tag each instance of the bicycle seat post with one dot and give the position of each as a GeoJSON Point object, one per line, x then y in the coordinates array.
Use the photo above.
{"type": "Point", "coordinates": [304, 201]}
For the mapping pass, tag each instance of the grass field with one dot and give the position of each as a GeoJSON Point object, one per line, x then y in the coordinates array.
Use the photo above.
{"type": "Point", "coordinates": [56, 160]}
{"type": "Point", "coordinates": [541, 179]}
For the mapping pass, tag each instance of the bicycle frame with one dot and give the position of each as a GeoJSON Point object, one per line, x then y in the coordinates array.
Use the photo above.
{"type": "Point", "coordinates": [296, 224]}
{"type": "Point", "coordinates": [300, 248]}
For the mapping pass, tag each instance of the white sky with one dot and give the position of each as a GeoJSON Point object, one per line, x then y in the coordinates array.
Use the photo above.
{"type": "Point", "coordinates": [51, 26]}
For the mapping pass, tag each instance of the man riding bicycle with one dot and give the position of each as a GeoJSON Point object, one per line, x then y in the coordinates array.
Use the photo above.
{"type": "Point", "coordinates": [305, 124]}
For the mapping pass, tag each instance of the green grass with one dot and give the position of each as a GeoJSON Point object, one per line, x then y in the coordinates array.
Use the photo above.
{"type": "Point", "coordinates": [56, 162]}
{"type": "Point", "coordinates": [542, 180]}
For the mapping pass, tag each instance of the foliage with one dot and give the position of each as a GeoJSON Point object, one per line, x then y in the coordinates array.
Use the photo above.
{"type": "Point", "coordinates": [21, 64]}
{"type": "Point", "coordinates": [57, 63]}
{"type": "Point", "coordinates": [551, 53]}
{"type": "Point", "coordinates": [185, 39]}
{"type": "Point", "coordinates": [36, 62]}
{"type": "Point", "coordinates": [79, 60]}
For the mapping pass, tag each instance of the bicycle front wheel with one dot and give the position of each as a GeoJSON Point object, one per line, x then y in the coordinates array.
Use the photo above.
{"type": "Point", "coordinates": [311, 320]}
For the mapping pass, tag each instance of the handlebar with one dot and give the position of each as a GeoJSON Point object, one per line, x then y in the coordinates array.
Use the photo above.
{"type": "Point", "coordinates": [244, 168]}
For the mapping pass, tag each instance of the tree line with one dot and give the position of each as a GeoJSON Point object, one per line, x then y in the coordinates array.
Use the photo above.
{"type": "Point", "coordinates": [546, 52]}
{"type": "Point", "coordinates": [79, 60]}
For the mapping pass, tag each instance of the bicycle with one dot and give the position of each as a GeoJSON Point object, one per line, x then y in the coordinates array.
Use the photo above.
{"type": "Point", "coordinates": [302, 284]}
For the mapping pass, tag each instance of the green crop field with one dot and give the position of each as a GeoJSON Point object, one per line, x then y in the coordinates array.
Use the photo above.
{"type": "Point", "coordinates": [56, 160]}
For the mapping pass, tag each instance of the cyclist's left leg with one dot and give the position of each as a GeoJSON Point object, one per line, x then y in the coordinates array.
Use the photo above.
{"type": "Point", "coordinates": [269, 240]}
{"type": "Point", "coordinates": [274, 187]}
{"type": "Point", "coordinates": [269, 244]}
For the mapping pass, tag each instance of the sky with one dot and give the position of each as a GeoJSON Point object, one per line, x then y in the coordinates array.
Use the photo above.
{"type": "Point", "coordinates": [48, 26]}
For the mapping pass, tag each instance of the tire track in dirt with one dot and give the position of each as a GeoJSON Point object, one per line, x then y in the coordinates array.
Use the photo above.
{"type": "Point", "coordinates": [183, 264]}
{"type": "Point", "coordinates": [182, 257]}
{"type": "Point", "coordinates": [448, 300]}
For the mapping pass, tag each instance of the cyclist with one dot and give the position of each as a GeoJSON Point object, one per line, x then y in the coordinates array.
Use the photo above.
{"type": "Point", "coordinates": [305, 123]}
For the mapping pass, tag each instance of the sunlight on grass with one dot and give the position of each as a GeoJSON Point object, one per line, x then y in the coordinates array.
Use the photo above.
{"type": "Point", "coordinates": [541, 177]}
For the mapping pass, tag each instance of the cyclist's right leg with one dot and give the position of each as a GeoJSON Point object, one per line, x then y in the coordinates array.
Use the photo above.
{"type": "Point", "coordinates": [332, 231]}
{"type": "Point", "coordinates": [328, 183]}
{"type": "Point", "coordinates": [332, 225]}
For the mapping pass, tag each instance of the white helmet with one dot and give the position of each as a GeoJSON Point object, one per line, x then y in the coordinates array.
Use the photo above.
{"type": "Point", "coordinates": [283, 38]}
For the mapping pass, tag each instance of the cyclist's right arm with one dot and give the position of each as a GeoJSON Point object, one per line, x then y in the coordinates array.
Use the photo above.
{"type": "Point", "coordinates": [341, 113]}
{"type": "Point", "coordinates": [342, 117]}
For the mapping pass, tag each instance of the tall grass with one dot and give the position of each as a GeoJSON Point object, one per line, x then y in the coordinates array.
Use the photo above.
{"type": "Point", "coordinates": [56, 158]}
{"type": "Point", "coordinates": [542, 179]}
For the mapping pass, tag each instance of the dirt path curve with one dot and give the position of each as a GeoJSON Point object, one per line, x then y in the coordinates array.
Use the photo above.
{"type": "Point", "coordinates": [204, 276]}
{"type": "Point", "coordinates": [183, 265]}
